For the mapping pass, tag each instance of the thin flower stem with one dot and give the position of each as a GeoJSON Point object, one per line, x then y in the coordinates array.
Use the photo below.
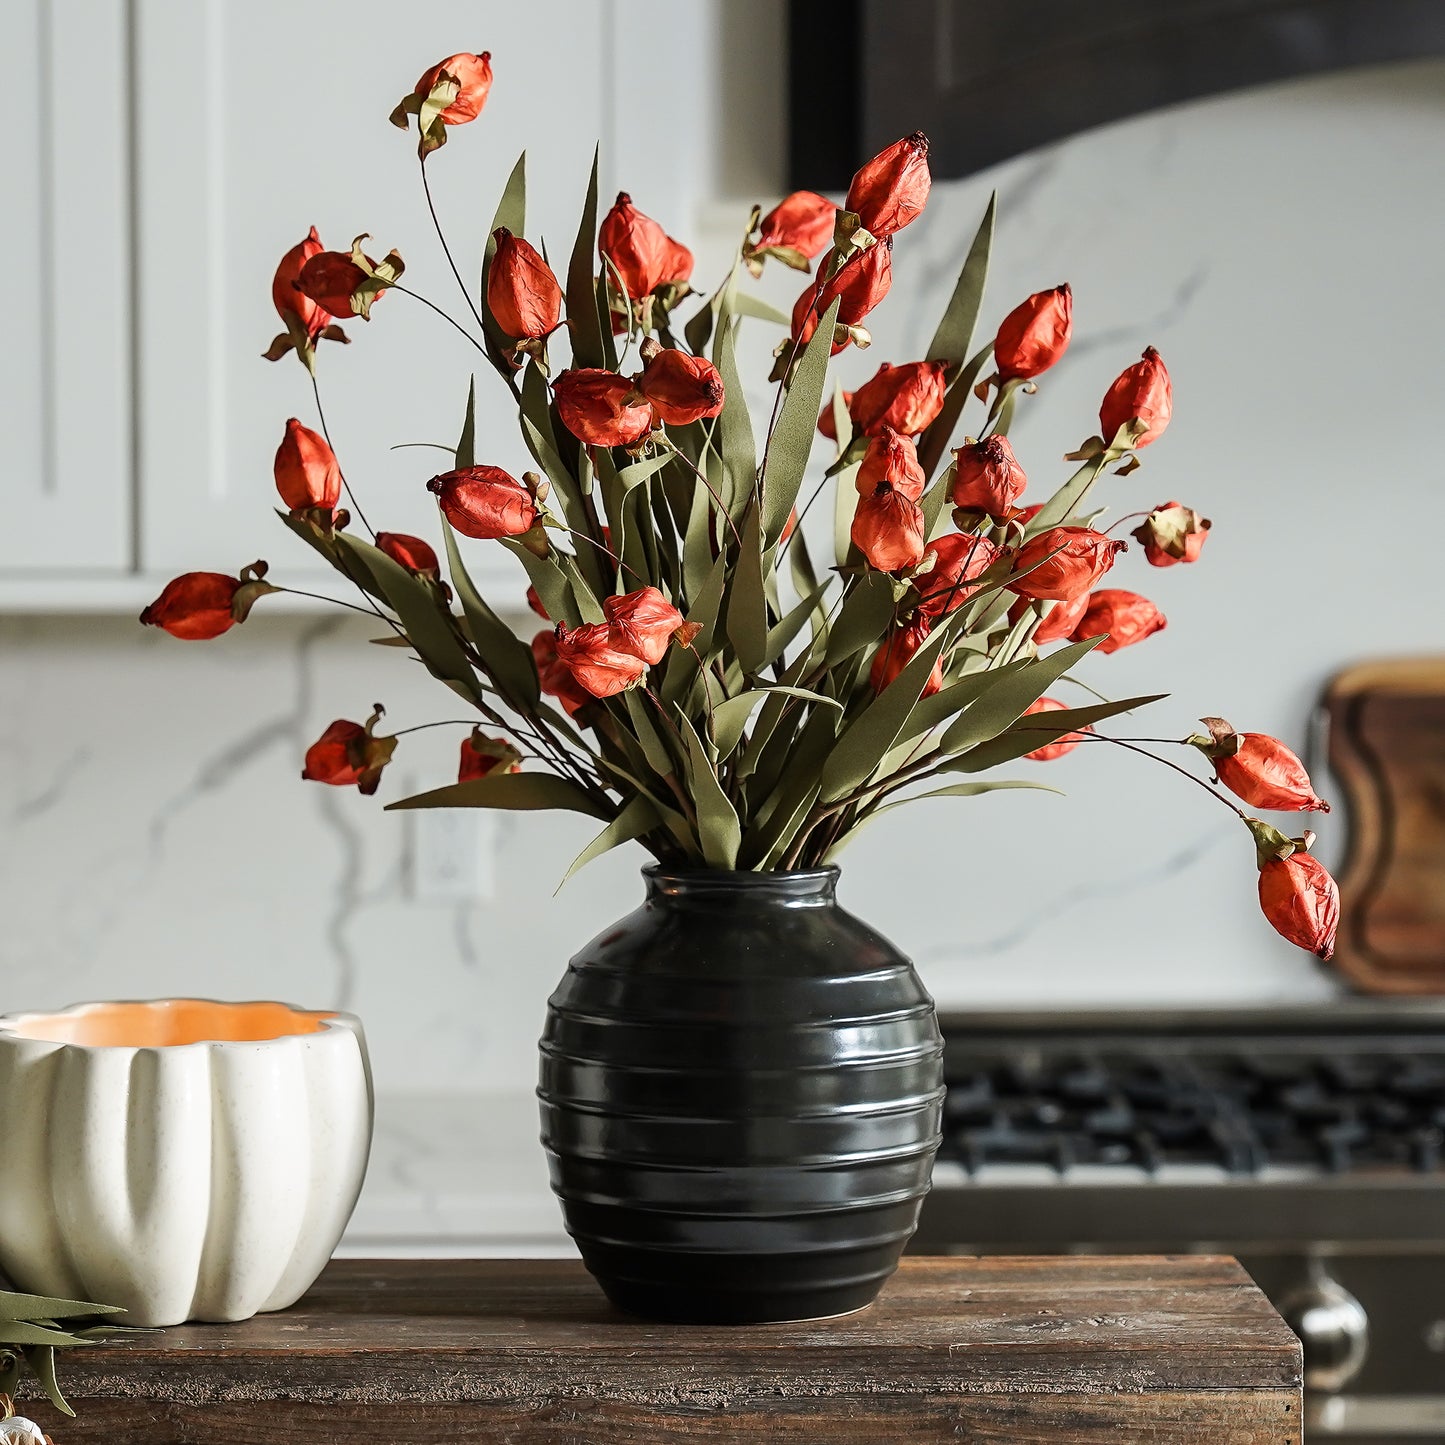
{"type": "Point", "coordinates": [445, 315]}
{"type": "Point", "coordinates": [334, 601]}
{"type": "Point", "coordinates": [326, 432]}
{"type": "Point", "coordinates": [447, 250]}
{"type": "Point", "coordinates": [451, 722]}
{"type": "Point", "coordinates": [1183, 772]}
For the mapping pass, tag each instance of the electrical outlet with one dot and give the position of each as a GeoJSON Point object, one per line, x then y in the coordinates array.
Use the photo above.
{"type": "Point", "coordinates": [454, 855]}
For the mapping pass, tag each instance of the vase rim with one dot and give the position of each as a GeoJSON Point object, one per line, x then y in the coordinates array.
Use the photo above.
{"type": "Point", "coordinates": [789, 883]}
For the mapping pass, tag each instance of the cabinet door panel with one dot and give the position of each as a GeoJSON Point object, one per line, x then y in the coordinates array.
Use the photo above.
{"type": "Point", "coordinates": [65, 374]}
{"type": "Point", "coordinates": [257, 121]}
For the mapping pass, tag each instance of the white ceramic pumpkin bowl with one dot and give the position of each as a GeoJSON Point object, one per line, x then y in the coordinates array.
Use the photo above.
{"type": "Point", "coordinates": [185, 1159]}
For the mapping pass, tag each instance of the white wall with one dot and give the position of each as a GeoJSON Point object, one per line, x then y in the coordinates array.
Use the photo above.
{"type": "Point", "coordinates": [1281, 247]}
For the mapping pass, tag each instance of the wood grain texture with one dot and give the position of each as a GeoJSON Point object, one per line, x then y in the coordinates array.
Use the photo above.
{"type": "Point", "coordinates": [529, 1353]}
{"type": "Point", "coordinates": [1387, 746]}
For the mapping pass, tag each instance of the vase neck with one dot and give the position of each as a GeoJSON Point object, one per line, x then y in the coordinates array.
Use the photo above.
{"type": "Point", "coordinates": [808, 887]}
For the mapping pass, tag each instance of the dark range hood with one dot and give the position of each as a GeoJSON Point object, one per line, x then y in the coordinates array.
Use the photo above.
{"type": "Point", "coordinates": [987, 82]}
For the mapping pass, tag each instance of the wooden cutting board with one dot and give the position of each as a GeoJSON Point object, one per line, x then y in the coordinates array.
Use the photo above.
{"type": "Point", "coordinates": [1387, 748]}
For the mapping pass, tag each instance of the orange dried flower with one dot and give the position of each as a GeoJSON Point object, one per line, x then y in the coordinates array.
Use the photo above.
{"type": "Point", "coordinates": [1301, 902]}
{"type": "Point", "coordinates": [800, 224]}
{"type": "Point", "coordinates": [597, 665]}
{"type": "Point", "coordinates": [888, 529]}
{"type": "Point", "coordinates": [522, 293]}
{"type": "Point", "coordinates": [331, 279]}
{"type": "Point", "coordinates": [1063, 563]}
{"type": "Point", "coordinates": [826, 425]}
{"type": "Point", "coordinates": [289, 300]}
{"type": "Point", "coordinates": [482, 756]}
{"type": "Point", "coordinates": [1058, 622]}
{"type": "Point", "coordinates": [641, 623]}
{"type": "Point", "coordinates": [1172, 533]}
{"type": "Point", "coordinates": [1035, 334]}
{"type": "Point", "coordinates": [347, 754]}
{"type": "Point", "coordinates": [896, 651]}
{"type": "Point", "coordinates": [908, 398]}
{"type": "Point", "coordinates": [1121, 618]}
{"type": "Point", "coordinates": [535, 603]}
{"type": "Point", "coordinates": [473, 76]}
{"type": "Point", "coordinates": [555, 678]}
{"type": "Point", "coordinates": [859, 284]}
{"type": "Point", "coordinates": [1143, 393]}
{"type": "Point", "coordinates": [410, 552]}
{"type": "Point", "coordinates": [601, 408]}
{"type": "Point", "coordinates": [195, 606]}
{"type": "Point", "coordinates": [485, 502]}
{"type": "Point", "coordinates": [892, 458]}
{"type": "Point", "coordinates": [643, 254]}
{"type": "Point", "coordinates": [959, 560]}
{"type": "Point", "coordinates": [987, 477]}
{"type": "Point", "coordinates": [1059, 746]}
{"type": "Point", "coordinates": [307, 474]}
{"type": "Point", "coordinates": [1266, 774]}
{"type": "Point", "coordinates": [681, 388]}
{"type": "Point", "coordinates": [892, 189]}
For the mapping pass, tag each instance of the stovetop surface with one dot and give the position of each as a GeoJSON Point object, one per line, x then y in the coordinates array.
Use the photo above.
{"type": "Point", "coordinates": [1335, 1090]}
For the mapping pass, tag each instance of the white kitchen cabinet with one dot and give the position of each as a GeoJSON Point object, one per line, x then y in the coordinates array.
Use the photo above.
{"type": "Point", "coordinates": [147, 218]}
{"type": "Point", "coordinates": [65, 369]}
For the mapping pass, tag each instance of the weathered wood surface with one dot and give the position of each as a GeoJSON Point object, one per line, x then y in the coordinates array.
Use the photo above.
{"type": "Point", "coordinates": [1387, 746]}
{"type": "Point", "coordinates": [996, 1351]}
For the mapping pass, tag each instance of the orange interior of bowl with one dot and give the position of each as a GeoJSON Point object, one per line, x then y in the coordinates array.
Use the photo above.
{"type": "Point", "coordinates": [168, 1023]}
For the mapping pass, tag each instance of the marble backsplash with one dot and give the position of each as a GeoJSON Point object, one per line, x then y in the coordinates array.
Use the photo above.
{"type": "Point", "coordinates": [1280, 247]}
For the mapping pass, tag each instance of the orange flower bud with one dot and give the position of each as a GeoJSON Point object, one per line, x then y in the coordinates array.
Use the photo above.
{"type": "Point", "coordinates": [1172, 533]}
{"type": "Point", "coordinates": [601, 408]}
{"type": "Point", "coordinates": [1063, 563]}
{"type": "Point", "coordinates": [958, 560]}
{"type": "Point", "coordinates": [307, 474]}
{"type": "Point", "coordinates": [288, 300]}
{"type": "Point", "coordinates": [801, 223]}
{"type": "Point", "coordinates": [597, 666]}
{"type": "Point", "coordinates": [888, 529]}
{"type": "Point", "coordinates": [484, 502]}
{"type": "Point", "coordinates": [556, 679]}
{"type": "Point", "coordinates": [641, 623]}
{"type": "Point", "coordinates": [347, 754]}
{"type": "Point", "coordinates": [908, 398]}
{"type": "Point", "coordinates": [410, 552]}
{"type": "Point", "coordinates": [896, 651]}
{"type": "Point", "coordinates": [331, 279]}
{"type": "Point", "coordinates": [1121, 618]}
{"type": "Point", "coordinates": [641, 252]}
{"type": "Point", "coordinates": [860, 283]}
{"type": "Point", "coordinates": [522, 293]}
{"type": "Point", "coordinates": [1141, 393]}
{"type": "Point", "coordinates": [1301, 901]}
{"type": "Point", "coordinates": [195, 606]}
{"type": "Point", "coordinates": [535, 603]}
{"type": "Point", "coordinates": [826, 425]}
{"type": "Point", "coordinates": [681, 388]}
{"type": "Point", "coordinates": [1035, 334]}
{"type": "Point", "coordinates": [482, 755]}
{"type": "Point", "coordinates": [891, 189]}
{"type": "Point", "coordinates": [892, 458]}
{"type": "Point", "coordinates": [987, 477]}
{"type": "Point", "coordinates": [1261, 771]}
{"type": "Point", "coordinates": [1058, 622]}
{"type": "Point", "coordinates": [473, 77]}
{"type": "Point", "coordinates": [1059, 746]}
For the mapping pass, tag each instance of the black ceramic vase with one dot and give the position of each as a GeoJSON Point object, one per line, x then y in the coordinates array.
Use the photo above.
{"type": "Point", "coordinates": [741, 1090]}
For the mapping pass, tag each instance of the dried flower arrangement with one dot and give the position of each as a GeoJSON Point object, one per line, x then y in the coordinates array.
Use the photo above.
{"type": "Point", "coordinates": [704, 687]}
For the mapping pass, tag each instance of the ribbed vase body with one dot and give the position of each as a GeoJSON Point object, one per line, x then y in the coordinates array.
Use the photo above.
{"type": "Point", "coordinates": [741, 1089]}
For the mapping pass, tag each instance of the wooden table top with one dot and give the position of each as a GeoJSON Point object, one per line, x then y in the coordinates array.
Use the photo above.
{"type": "Point", "coordinates": [529, 1350]}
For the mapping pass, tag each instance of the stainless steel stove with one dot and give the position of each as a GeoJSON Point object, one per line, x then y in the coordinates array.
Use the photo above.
{"type": "Point", "coordinates": [1308, 1142]}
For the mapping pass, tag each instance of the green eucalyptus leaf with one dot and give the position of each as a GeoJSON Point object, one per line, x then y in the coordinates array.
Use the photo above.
{"type": "Point", "coordinates": [648, 734]}
{"type": "Point", "coordinates": [719, 831]}
{"type": "Point", "coordinates": [1005, 703]}
{"type": "Point", "coordinates": [639, 816]}
{"type": "Point", "coordinates": [730, 717]}
{"type": "Point", "coordinates": [512, 213]}
{"type": "Point", "coordinates": [747, 619]}
{"type": "Point", "coordinates": [586, 324]}
{"type": "Point", "coordinates": [522, 792]}
{"type": "Point", "coordinates": [466, 454]}
{"type": "Point", "coordinates": [630, 476]}
{"type": "Point", "coordinates": [780, 635]}
{"type": "Point", "coordinates": [1067, 499]}
{"type": "Point", "coordinates": [863, 618]}
{"type": "Point", "coordinates": [42, 1361]}
{"type": "Point", "coordinates": [698, 330]}
{"type": "Point", "coordinates": [792, 440]}
{"type": "Point", "coordinates": [747, 303]}
{"type": "Point", "coordinates": [26, 1333]}
{"type": "Point", "coordinates": [553, 584]}
{"type": "Point", "coordinates": [1038, 730]}
{"type": "Point", "coordinates": [507, 659]}
{"type": "Point", "coordinates": [735, 428]}
{"type": "Point", "coordinates": [42, 1307]}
